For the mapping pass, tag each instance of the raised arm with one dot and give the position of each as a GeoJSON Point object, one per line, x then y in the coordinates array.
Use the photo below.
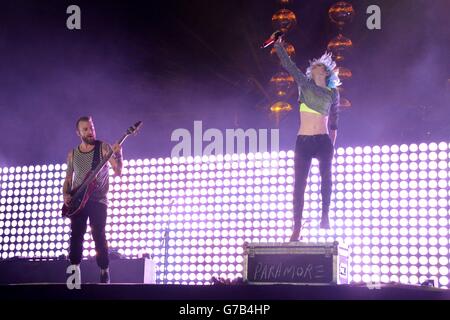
{"type": "Point", "coordinates": [289, 65]}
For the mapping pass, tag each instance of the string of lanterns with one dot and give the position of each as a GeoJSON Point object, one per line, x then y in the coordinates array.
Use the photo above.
{"type": "Point", "coordinates": [341, 13]}
{"type": "Point", "coordinates": [280, 84]}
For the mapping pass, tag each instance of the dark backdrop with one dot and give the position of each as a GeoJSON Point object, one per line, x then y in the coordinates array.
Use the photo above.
{"type": "Point", "coordinates": [169, 63]}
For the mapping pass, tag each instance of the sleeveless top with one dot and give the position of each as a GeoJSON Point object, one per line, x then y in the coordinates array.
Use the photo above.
{"type": "Point", "coordinates": [82, 164]}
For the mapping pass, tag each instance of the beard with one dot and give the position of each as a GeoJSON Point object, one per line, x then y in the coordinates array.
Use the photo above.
{"type": "Point", "coordinates": [87, 140]}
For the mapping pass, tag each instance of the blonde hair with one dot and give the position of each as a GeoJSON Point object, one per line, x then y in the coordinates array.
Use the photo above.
{"type": "Point", "coordinates": [326, 60]}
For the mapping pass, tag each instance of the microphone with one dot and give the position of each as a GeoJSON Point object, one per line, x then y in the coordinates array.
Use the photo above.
{"type": "Point", "coordinates": [274, 37]}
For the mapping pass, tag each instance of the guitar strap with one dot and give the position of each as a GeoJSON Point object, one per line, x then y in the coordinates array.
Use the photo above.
{"type": "Point", "coordinates": [96, 158]}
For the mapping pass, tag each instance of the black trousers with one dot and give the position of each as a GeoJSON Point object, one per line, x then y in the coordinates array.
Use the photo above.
{"type": "Point", "coordinates": [96, 212]}
{"type": "Point", "coordinates": [308, 147]}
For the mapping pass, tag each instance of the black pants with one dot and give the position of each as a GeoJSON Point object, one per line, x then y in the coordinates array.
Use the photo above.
{"type": "Point", "coordinates": [308, 147]}
{"type": "Point", "coordinates": [96, 212]}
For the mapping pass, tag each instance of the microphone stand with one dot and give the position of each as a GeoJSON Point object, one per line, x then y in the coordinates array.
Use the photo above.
{"type": "Point", "coordinates": [166, 247]}
{"type": "Point", "coordinates": [165, 243]}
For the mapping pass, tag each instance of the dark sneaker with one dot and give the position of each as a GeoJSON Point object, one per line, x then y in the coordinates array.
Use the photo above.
{"type": "Point", "coordinates": [324, 223]}
{"type": "Point", "coordinates": [104, 276]}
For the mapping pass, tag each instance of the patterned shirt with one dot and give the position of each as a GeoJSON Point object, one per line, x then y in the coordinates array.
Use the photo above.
{"type": "Point", "coordinates": [82, 164]}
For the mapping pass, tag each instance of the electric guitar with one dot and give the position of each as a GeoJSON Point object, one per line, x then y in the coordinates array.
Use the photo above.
{"type": "Point", "coordinates": [81, 194]}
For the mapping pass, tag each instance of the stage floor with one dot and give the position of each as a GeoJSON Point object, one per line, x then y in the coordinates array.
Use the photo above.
{"type": "Point", "coordinates": [51, 291]}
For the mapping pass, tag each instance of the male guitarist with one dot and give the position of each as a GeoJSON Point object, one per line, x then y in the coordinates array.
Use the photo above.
{"type": "Point", "coordinates": [80, 161]}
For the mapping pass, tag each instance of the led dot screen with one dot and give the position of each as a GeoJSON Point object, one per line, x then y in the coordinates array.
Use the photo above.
{"type": "Point", "coordinates": [390, 204]}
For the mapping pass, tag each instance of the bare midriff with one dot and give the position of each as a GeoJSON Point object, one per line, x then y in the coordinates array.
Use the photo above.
{"type": "Point", "coordinates": [312, 124]}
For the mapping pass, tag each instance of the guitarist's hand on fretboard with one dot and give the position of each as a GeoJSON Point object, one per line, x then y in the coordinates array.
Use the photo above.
{"type": "Point", "coordinates": [117, 150]}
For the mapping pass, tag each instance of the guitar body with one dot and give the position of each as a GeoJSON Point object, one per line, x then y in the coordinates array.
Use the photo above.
{"type": "Point", "coordinates": [79, 198]}
{"type": "Point", "coordinates": [81, 195]}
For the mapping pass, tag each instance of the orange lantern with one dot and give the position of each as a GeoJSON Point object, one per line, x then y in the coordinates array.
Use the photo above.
{"type": "Point", "coordinates": [344, 103]}
{"type": "Point", "coordinates": [289, 49]}
{"type": "Point", "coordinates": [284, 20]}
{"type": "Point", "coordinates": [281, 82]}
{"type": "Point", "coordinates": [339, 44]}
{"type": "Point", "coordinates": [338, 57]}
{"type": "Point", "coordinates": [280, 106]}
{"type": "Point", "coordinates": [341, 13]}
{"type": "Point", "coordinates": [344, 73]}
{"type": "Point", "coordinates": [285, 2]}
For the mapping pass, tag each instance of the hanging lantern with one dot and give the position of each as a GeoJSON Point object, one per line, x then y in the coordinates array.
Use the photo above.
{"type": "Point", "coordinates": [285, 2]}
{"type": "Point", "coordinates": [344, 103]}
{"type": "Point", "coordinates": [284, 20]}
{"type": "Point", "coordinates": [280, 106]}
{"type": "Point", "coordinates": [344, 73]}
{"type": "Point", "coordinates": [289, 49]}
{"type": "Point", "coordinates": [277, 110]}
{"type": "Point", "coordinates": [281, 82]}
{"type": "Point", "coordinates": [339, 44]}
{"type": "Point", "coordinates": [341, 13]}
{"type": "Point", "coordinates": [338, 57]}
